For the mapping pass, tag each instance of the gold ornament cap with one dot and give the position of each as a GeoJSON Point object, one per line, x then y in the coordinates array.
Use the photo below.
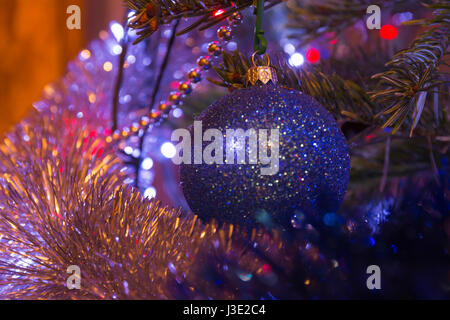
{"type": "Point", "coordinates": [261, 73]}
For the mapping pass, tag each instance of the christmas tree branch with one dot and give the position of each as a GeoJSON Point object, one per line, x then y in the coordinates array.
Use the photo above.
{"type": "Point", "coordinates": [407, 156]}
{"type": "Point", "coordinates": [150, 14]}
{"type": "Point", "coordinates": [310, 19]}
{"type": "Point", "coordinates": [414, 73]}
{"type": "Point", "coordinates": [341, 97]}
{"type": "Point", "coordinates": [350, 103]}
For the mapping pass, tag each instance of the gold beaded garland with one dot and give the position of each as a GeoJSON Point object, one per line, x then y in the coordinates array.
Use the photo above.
{"type": "Point", "coordinates": [194, 76]}
{"type": "Point", "coordinates": [185, 87]}
{"type": "Point", "coordinates": [155, 115]}
{"type": "Point", "coordinates": [144, 121]}
{"type": "Point", "coordinates": [125, 132]}
{"type": "Point", "coordinates": [224, 33]}
{"type": "Point", "coordinates": [116, 135]}
{"type": "Point", "coordinates": [163, 106]}
{"type": "Point", "coordinates": [134, 127]}
{"type": "Point", "coordinates": [174, 97]}
{"type": "Point", "coordinates": [214, 48]}
{"type": "Point", "coordinates": [235, 19]}
{"type": "Point", "coordinates": [203, 62]}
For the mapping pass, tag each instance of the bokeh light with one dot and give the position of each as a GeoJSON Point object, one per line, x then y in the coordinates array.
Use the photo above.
{"type": "Point", "coordinates": [388, 32]}
{"type": "Point", "coordinates": [313, 55]}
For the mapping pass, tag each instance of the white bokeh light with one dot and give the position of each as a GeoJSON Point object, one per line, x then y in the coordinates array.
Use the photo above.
{"type": "Point", "coordinates": [177, 113]}
{"type": "Point", "coordinates": [147, 164]}
{"type": "Point", "coordinates": [131, 59]}
{"type": "Point", "coordinates": [117, 49]}
{"type": "Point", "coordinates": [150, 193]}
{"type": "Point", "coordinates": [168, 150]}
{"type": "Point", "coordinates": [128, 150]}
{"type": "Point", "coordinates": [289, 48]}
{"type": "Point", "coordinates": [296, 60]}
{"type": "Point", "coordinates": [117, 31]}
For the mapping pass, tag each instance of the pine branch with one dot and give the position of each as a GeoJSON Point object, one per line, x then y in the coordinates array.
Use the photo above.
{"type": "Point", "coordinates": [150, 14]}
{"type": "Point", "coordinates": [311, 19]}
{"type": "Point", "coordinates": [408, 156]}
{"type": "Point", "coordinates": [349, 100]}
{"type": "Point", "coordinates": [414, 73]}
{"type": "Point", "coordinates": [339, 96]}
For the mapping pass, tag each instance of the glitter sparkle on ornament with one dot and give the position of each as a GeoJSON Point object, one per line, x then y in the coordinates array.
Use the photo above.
{"type": "Point", "coordinates": [314, 162]}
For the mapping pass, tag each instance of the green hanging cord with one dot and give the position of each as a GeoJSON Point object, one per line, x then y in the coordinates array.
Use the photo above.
{"type": "Point", "coordinates": [260, 43]}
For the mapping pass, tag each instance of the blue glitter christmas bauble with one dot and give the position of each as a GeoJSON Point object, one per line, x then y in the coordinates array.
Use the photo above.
{"type": "Point", "coordinates": [313, 162]}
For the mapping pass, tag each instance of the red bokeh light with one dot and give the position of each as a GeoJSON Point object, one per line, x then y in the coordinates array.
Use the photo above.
{"type": "Point", "coordinates": [313, 55]}
{"type": "Point", "coordinates": [174, 85]}
{"type": "Point", "coordinates": [266, 268]}
{"type": "Point", "coordinates": [388, 32]}
{"type": "Point", "coordinates": [218, 12]}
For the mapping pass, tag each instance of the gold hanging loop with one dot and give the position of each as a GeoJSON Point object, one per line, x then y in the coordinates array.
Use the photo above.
{"type": "Point", "coordinates": [264, 74]}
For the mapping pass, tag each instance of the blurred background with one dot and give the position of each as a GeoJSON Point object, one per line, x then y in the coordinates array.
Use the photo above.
{"type": "Point", "coordinates": [36, 45]}
{"type": "Point", "coordinates": [395, 215]}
